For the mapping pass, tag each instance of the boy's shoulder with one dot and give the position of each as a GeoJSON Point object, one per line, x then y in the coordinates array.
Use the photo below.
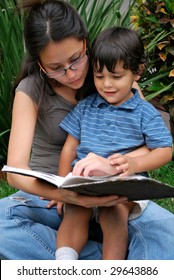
{"type": "Point", "coordinates": [142, 102]}
{"type": "Point", "coordinates": [88, 100]}
{"type": "Point", "coordinates": [146, 104]}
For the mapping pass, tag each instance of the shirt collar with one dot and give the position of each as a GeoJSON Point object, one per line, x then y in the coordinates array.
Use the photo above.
{"type": "Point", "coordinates": [131, 103]}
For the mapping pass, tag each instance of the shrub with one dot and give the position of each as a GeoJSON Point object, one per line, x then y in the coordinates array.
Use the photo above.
{"type": "Point", "coordinates": [154, 20]}
{"type": "Point", "coordinates": [11, 51]}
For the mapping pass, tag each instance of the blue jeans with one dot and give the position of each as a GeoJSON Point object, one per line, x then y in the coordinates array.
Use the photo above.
{"type": "Point", "coordinates": [28, 232]}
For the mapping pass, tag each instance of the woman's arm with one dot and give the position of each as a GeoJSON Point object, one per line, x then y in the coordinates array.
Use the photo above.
{"type": "Point", "coordinates": [24, 118]}
{"type": "Point", "coordinates": [135, 85]}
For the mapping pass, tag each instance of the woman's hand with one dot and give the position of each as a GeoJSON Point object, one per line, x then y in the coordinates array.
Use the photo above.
{"type": "Point", "coordinates": [71, 197]}
{"type": "Point", "coordinates": [93, 165]}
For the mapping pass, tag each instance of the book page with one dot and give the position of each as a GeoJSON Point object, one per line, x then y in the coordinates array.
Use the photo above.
{"type": "Point", "coordinates": [75, 180]}
{"type": "Point", "coordinates": [51, 178]}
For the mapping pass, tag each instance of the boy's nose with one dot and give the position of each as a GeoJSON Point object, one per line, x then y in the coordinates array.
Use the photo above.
{"type": "Point", "coordinates": [107, 83]}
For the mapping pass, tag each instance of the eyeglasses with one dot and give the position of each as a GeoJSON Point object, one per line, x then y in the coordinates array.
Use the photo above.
{"type": "Point", "coordinates": [74, 66]}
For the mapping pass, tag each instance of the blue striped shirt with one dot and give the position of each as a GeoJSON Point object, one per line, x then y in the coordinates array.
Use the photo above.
{"type": "Point", "coordinates": [105, 129]}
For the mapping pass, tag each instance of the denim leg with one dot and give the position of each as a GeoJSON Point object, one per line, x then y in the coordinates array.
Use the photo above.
{"type": "Point", "coordinates": [151, 236]}
{"type": "Point", "coordinates": [28, 230]}
{"type": "Point", "coordinates": [92, 251]}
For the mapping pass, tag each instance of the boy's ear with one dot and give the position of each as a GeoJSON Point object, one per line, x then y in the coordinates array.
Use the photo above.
{"type": "Point", "coordinates": [141, 69]}
{"type": "Point", "coordinates": [139, 72]}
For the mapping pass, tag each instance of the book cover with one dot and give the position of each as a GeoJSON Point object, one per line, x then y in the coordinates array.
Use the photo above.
{"type": "Point", "coordinates": [134, 187]}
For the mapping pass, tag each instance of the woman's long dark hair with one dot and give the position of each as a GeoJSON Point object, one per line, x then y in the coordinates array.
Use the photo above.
{"type": "Point", "coordinates": [50, 20]}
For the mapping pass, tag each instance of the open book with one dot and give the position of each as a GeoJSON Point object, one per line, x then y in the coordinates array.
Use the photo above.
{"type": "Point", "coordinates": [134, 187]}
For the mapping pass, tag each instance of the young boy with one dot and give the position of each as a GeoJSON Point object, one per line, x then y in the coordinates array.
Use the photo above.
{"type": "Point", "coordinates": [114, 120]}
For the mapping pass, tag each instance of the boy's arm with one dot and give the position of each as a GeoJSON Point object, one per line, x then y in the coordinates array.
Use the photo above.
{"type": "Point", "coordinates": [129, 165]}
{"type": "Point", "coordinates": [143, 150]}
{"type": "Point", "coordinates": [67, 155]}
{"type": "Point", "coordinates": [153, 160]}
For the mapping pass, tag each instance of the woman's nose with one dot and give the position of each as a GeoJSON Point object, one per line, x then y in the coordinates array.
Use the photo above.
{"type": "Point", "coordinates": [70, 73]}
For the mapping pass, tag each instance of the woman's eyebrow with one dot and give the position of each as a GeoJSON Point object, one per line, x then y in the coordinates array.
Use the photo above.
{"type": "Point", "coordinates": [59, 63]}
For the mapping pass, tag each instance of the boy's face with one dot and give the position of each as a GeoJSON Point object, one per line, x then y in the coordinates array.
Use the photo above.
{"type": "Point", "coordinates": [115, 87]}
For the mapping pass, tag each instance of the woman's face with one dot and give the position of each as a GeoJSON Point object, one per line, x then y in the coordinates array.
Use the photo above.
{"type": "Point", "coordinates": [59, 55]}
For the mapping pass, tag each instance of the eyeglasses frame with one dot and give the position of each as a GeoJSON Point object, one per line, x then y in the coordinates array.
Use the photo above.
{"type": "Point", "coordinates": [65, 69]}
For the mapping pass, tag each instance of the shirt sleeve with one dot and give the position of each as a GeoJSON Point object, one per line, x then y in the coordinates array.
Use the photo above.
{"type": "Point", "coordinates": [31, 86]}
{"type": "Point", "coordinates": [155, 132]}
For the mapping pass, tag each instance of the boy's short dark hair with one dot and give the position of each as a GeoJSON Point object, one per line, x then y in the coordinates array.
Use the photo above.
{"type": "Point", "coordinates": [118, 44]}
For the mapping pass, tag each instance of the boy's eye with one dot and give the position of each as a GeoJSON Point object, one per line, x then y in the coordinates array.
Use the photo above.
{"type": "Point", "coordinates": [98, 76]}
{"type": "Point", "coordinates": [117, 77]}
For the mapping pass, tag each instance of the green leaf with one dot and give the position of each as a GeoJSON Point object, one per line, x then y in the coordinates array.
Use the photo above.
{"type": "Point", "coordinates": [165, 89]}
{"type": "Point", "coordinates": [11, 52]}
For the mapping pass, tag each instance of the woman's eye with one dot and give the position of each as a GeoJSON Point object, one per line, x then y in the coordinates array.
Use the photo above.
{"type": "Point", "coordinates": [57, 69]}
{"type": "Point", "coordinates": [75, 59]}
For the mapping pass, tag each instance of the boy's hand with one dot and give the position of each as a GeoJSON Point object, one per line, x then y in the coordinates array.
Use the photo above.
{"type": "Point", "coordinates": [60, 208]}
{"type": "Point", "coordinates": [52, 203]}
{"type": "Point", "coordinates": [124, 165]}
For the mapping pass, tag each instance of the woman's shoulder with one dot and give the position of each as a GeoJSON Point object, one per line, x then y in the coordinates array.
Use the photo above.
{"type": "Point", "coordinates": [31, 85]}
{"type": "Point", "coordinates": [30, 81]}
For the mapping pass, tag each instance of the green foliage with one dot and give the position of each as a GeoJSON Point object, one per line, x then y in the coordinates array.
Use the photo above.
{"type": "Point", "coordinates": [154, 21]}
{"type": "Point", "coordinates": [165, 175]}
{"type": "Point", "coordinates": [11, 51]}
{"type": "Point", "coordinates": [100, 14]}
{"type": "Point", "coordinates": [5, 189]}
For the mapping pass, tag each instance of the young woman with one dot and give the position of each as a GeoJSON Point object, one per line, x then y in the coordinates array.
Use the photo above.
{"type": "Point", "coordinates": [55, 75]}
